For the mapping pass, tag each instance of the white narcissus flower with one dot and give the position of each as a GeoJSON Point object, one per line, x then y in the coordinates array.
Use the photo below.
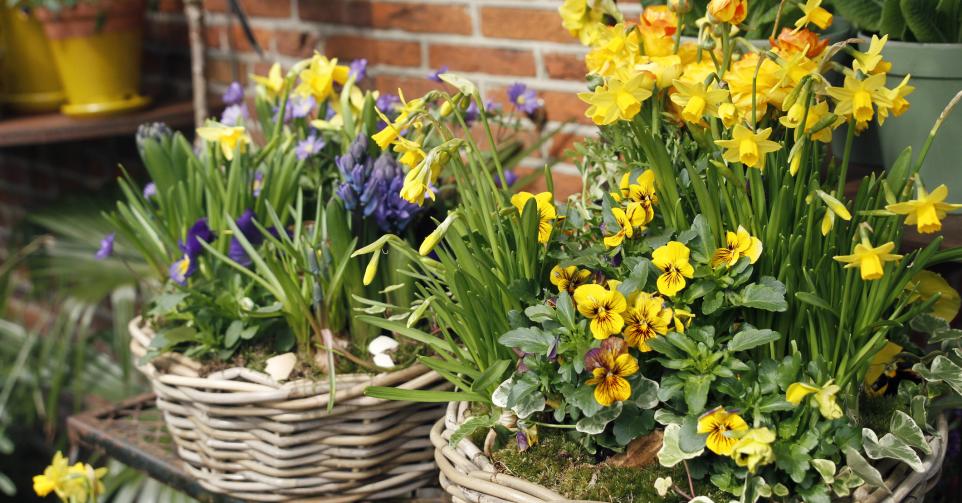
{"type": "Point", "coordinates": [381, 347]}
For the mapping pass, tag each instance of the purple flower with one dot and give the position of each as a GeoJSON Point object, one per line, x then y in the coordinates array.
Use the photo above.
{"type": "Point", "coordinates": [234, 115]}
{"type": "Point", "coordinates": [509, 178]}
{"type": "Point", "coordinates": [524, 98]}
{"type": "Point", "coordinates": [106, 246]}
{"type": "Point", "coordinates": [522, 439]}
{"type": "Point", "coordinates": [436, 76]}
{"type": "Point", "coordinates": [197, 233]}
{"type": "Point", "coordinates": [234, 94]}
{"type": "Point", "coordinates": [257, 184]}
{"type": "Point", "coordinates": [299, 107]}
{"type": "Point", "coordinates": [150, 190]}
{"type": "Point", "coordinates": [181, 270]}
{"type": "Point", "coordinates": [553, 351]}
{"type": "Point", "coordinates": [236, 251]}
{"type": "Point", "coordinates": [359, 69]}
{"type": "Point", "coordinates": [310, 146]}
{"type": "Point", "coordinates": [387, 102]}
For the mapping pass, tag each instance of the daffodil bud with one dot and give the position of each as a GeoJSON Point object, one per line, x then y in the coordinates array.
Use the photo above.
{"type": "Point", "coordinates": [419, 312]}
{"type": "Point", "coordinates": [435, 237]}
{"type": "Point", "coordinates": [371, 270]}
{"type": "Point", "coordinates": [795, 158]}
{"type": "Point", "coordinates": [679, 6]}
{"type": "Point", "coordinates": [835, 205]}
{"type": "Point", "coordinates": [375, 246]}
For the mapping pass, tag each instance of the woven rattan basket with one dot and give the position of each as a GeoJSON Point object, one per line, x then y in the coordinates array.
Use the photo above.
{"type": "Point", "coordinates": [241, 433]}
{"type": "Point", "coordinates": [467, 474]}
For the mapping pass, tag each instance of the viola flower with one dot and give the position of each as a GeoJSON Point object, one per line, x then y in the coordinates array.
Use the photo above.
{"type": "Point", "coordinates": [856, 97]}
{"type": "Point", "coordinates": [824, 397]}
{"type": "Point", "coordinates": [229, 138]}
{"type": "Point", "coordinates": [198, 232]}
{"type": "Point", "coordinates": [748, 147]}
{"type": "Point", "coordinates": [698, 100]}
{"type": "Point", "coordinates": [106, 246]}
{"type": "Point", "coordinates": [234, 115]}
{"type": "Point", "coordinates": [616, 99]}
{"type": "Point", "coordinates": [813, 13]}
{"type": "Point", "coordinates": [509, 178]}
{"type": "Point", "coordinates": [234, 95]}
{"type": "Point", "coordinates": [672, 259]}
{"type": "Point", "coordinates": [150, 190]}
{"type": "Point", "coordinates": [728, 11]}
{"type": "Point", "coordinates": [610, 365]}
{"type": "Point", "coordinates": [523, 98]}
{"type": "Point", "coordinates": [627, 221]}
{"type": "Point", "coordinates": [718, 423]}
{"type": "Point", "coordinates": [387, 103]}
{"type": "Point", "coordinates": [567, 279]}
{"type": "Point", "coordinates": [436, 75]}
{"type": "Point", "coordinates": [309, 147]}
{"type": "Point", "coordinates": [646, 319]}
{"type": "Point", "coordinates": [257, 184]}
{"type": "Point", "coordinates": [754, 449]}
{"type": "Point", "coordinates": [869, 259]}
{"type": "Point", "coordinates": [299, 107]}
{"type": "Point", "coordinates": [604, 307]}
{"type": "Point", "coordinates": [180, 270]}
{"type": "Point", "coordinates": [318, 78]}
{"type": "Point", "coordinates": [738, 244]}
{"type": "Point", "coordinates": [358, 69]}
{"type": "Point", "coordinates": [251, 233]}
{"type": "Point", "coordinates": [642, 192]}
{"type": "Point", "coordinates": [546, 211]}
{"type": "Point", "coordinates": [273, 83]}
{"type": "Point", "coordinates": [927, 210]}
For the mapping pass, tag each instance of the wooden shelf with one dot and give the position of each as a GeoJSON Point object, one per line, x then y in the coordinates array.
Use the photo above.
{"type": "Point", "coordinates": [53, 128]}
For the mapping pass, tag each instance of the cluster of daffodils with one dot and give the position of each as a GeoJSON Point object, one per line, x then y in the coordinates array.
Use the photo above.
{"type": "Point", "coordinates": [77, 483]}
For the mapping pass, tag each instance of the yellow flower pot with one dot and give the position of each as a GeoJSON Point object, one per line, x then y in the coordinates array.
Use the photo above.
{"type": "Point", "coordinates": [97, 48]}
{"type": "Point", "coordinates": [30, 82]}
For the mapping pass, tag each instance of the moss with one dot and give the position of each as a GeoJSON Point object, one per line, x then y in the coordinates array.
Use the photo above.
{"type": "Point", "coordinates": [563, 466]}
{"type": "Point", "coordinates": [875, 413]}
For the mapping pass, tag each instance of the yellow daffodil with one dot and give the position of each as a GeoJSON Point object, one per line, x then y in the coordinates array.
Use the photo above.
{"type": "Point", "coordinates": [54, 477]}
{"type": "Point", "coordinates": [435, 236]}
{"type": "Point", "coordinates": [871, 62]}
{"type": "Point", "coordinates": [642, 193]}
{"type": "Point", "coordinates": [581, 20]}
{"type": "Point", "coordinates": [658, 26]}
{"type": "Point", "coordinates": [567, 279]}
{"type": "Point", "coordinates": [834, 208]}
{"type": "Point", "coordinates": [926, 284]}
{"type": "Point", "coordinates": [318, 78]}
{"type": "Point", "coordinates": [392, 130]}
{"type": "Point", "coordinates": [604, 307]}
{"type": "Point", "coordinates": [718, 423]}
{"type": "Point", "coordinates": [770, 86]}
{"type": "Point", "coordinates": [738, 244]}
{"type": "Point", "coordinates": [869, 259]}
{"type": "Point", "coordinates": [798, 41]}
{"type": "Point", "coordinates": [616, 100]}
{"type": "Point", "coordinates": [816, 114]}
{"type": "Point", "coordinates": [728, 114]}
{"type": "Point", "coordinates": [660, 71]}
{"type": "Point", "coordinates": [813, 13]}
{"type": "Point", "coordinates": [70, 483]}
{"type": "Point", "coordinates": [927, 210]}
{"type": "Point", "coordinates": [728, 11]}
{"type": "Point", "coordinates": [546, 211]}
{"type": "Point", "coordinates": [824, 397]}
{"type": "Point", "coordinates": [615, 51]}
{"type": "Point", "coordinates": [856, 98]}
{"type": "Point", "coordinates": [418, 181]}
{"type": "Point", "coordinates": [273, 83]}
{"type": "Point", "coordinates": [610, 365]}
{"type": "Point", "coordinates": [883, 367]}
{"type": "Point", "coordinates": [411, 152]}
{"type": "Point", "coordinates": [646, 319]}
{"type": "Point", "coordinates": [754, 449]}
{"type": "Point", "coordinates": [672, 259]}
{"type": "Point", "coordinates": [895, 102]}
{"type": "Point", "coordinates": [229, 138]}
{"type": "Point", "coordinates": [698, 100]}
{"type": "Point", "coordinates": [748, 147]}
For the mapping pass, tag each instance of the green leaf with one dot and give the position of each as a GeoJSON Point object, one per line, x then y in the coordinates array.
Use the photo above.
{"type": "Point", "coordinates": [815, 300]}
{"type": "Point", "coordinates": [166, 303]}
{"type": "Point", "coordinates": [768, 294]}
{"type": "Point", "coordinates": [529, 339]}
{"type": "Point", "coordinates": [942, 370]}
{"type": "Point", "coordinates": [752, 338]}
{"type": "Point", "coordinates": [825, 468]}
{"type": "Point", "coordinates": [712, 302]}
{"type": "Point", "coordinates": [632, 424]}
{"type": "Point", "coordinates": [539, 313]}
{"type": "Point", "coordinates": [921, 19]}
{"type": "Point", "coordinates": [232, 335]}
{"type": "Point", "coordinates": [671, 453]}
{"type": "Point", "coordinates": [863, 468]}
{"type": "Point", "coordinates": [420, 395]}
{"type": "Point", "coordinates": [907, 430]}
{"type": "Point", "coordinates": [584, 400]}
{"type": "Point", "coordinates": [644, 392]}
{"type": "Point", "coordinates": [696, 392]}
{"type": "Point", "coordinates": [596, 424]}
{"type": "Point", "coordinates": [889, 446]}
{"type": "Point", "coordinates": [470, 426]}
{"type": "Point", "coordinates": [637, 279]}
{"type": "Point", "coordinates": [892, 21]}
{"type": "Point", "coordinates": [845, 481]}
{"type": "Point", "coordinates": [491, 376]}
{"type": "Point", "coordinates": [864, 14]}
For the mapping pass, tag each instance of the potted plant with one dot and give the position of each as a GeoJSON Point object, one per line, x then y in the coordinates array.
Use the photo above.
{"type": "Point", "coordinates": [97, 48]}
{"type": "Point", "coordinates": [919, 38]}
{"type": "Point", "coordinates": [30, 82]}
{"type": "Point", "coordinates": [712, 318]}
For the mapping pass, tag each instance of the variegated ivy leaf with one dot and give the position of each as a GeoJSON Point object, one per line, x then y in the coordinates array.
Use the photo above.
{"type": "Point", "coordinates": [889, 446]}
{"type": "Point", "coordinates": [596, 424]}
{"type": "Point", "coordinates": [472, 425]}
{"type": "Point", "coordinates": [825, 468]}
{"type": "Point", "coordinates": [942, 369]}
{"type": "Point", "coordinates": [665, 417]}
{"type": "Point", "coordinates": [500, 396]}
{"type": "Point", "coordinates": [907, 430]}
{"type": "Point", "coordinates": [845, 481]}
{"type": "Point", "coordinates": [644, 393]}
{"type": "Point", "coordinates": [670, 453]}
{"type": "Point", "coordinates": [863, 468]}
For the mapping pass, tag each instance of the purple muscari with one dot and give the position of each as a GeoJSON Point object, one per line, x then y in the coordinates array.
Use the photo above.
{"type": "Point", "coordinates": [387, 103]}
{"type": "Point", "coordinates": [106, 246]}
{"type": "Point", "coordinates": [372, 187]}
{"type": "Point", "coordinates": [359, 69]}
{"type": "Point", "coordinates": [234, 94]}
{"type": "Point", "coordinates": [150, 190]}
{"type": "Point", "coordinates": [299, 107]}
{"type": "Point", "coordinates": [436, 76]}
{"type": "Point", "coordinates": [524, 98]}
{"type": "Point", "coordinates": [246, 225]}
{"type": "Point", "coordinates": [234, 115]}
{"type": "Point", "coordinates": [258, 184]}
{"type": "Point", "coordinates": [310, 146]}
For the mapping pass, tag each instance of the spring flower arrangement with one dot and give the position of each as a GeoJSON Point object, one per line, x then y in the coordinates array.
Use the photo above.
{"type": "Point", "coordinates": [77, 483]}
{"type": "Point", "coordinates": [714, 284]}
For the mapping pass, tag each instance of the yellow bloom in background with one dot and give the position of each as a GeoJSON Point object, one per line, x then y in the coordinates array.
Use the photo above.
{"type": "Point", "coordinates": [869, 259]}
{"type": "Point", "coordinates": [604, 307]}
{"type": "Point", "coordinates": [567, 279]}
{"type": "Point", "coordinates": [581, 20]}
{"type": "Point", "coordinates": [615, 51]}
{"type": "Point", "coordinates": [927, 210]}
{"type": "Point", "coordinates": [411, 152]}
{"type": "Point", "coordinates": [824, 397]}
{"type": "Point", "coordinates": [884, 363]}
{"type": "Point", "coordinates": [318, 78]}
{"type": "Point", "coordinates": [754, 449]}
{"type": "Point", "coordinates": [738, 244]}
{"type": "Point", "coordinates": [69, 483]}
{"type": "Point", "coordinates": [728, 11]}
{"type": "Point", "coordinates": [229, 138]}
{"type": "Point", "coordinates": [273, 83]}
{"type": "Point", "coordinates": [646, 319]}
{"type": "Point", "coordinates": [661, 70]}
{"type": "Point", "coordinates": [718, 423]}
{"type": "Point", "coordinates": [814, 13]}
{"type": "Point", "coordinates": [610, 365]}
{"type": "Point", "coordinates": [672, 259]}
{"type": "Point", "coordinates": [895, 100]}
{"type": "Point", "coordinates": [616, 100]}
{"type": "Point", "coordinates": [728, 114]}
{"type": "Point", "coordinates": [698, 100]}
{"type": "Point", "coordinates": [771, 86]}
{"type": "Point", "coordinates": [748, 147]}
{"type": "Point", "coordinates": [871, 62]}
{"type": "Point", "coordinates": [856, 98]}
{"type": "Point", "coordinates": [925, 284]}
{"type": "Point", "coordinates": [626, 224]}
{"type": "Point", "coordinates": [793, 119]}
{"type": "Point", "coordinates": [658, 26]}
{"type": "Point", "coordinates": [546, 211]}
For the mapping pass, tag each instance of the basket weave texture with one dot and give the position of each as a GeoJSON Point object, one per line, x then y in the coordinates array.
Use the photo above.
{"type": "Point", "coordinates": [468, 475]}
{"type": "Point", "coordinates": [241, 433]}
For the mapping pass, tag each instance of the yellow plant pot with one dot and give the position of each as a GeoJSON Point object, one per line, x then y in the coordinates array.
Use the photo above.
{"type": "Point", "coordinates": [31, 83]}
{"type": "Point", "coordinates": [97, 48]}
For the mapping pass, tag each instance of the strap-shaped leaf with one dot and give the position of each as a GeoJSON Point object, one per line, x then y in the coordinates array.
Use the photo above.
{"type": "Point", "coordinates": [863, 13]}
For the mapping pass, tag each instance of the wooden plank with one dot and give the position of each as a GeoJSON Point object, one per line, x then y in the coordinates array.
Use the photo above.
{"type": "Point", "coordinates": [53, 128]}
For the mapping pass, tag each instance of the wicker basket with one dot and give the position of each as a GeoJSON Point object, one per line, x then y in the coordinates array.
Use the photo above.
{"type": "Point", "coordinates": [467, 474]}
{"type": "Point", "coordinates": [241, 433]}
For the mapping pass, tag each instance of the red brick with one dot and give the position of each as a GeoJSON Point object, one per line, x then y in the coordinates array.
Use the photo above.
{"type": "Point", "coordinates": [170, 6]}
{"type": "Point", "coordinates": [407, 16]}
{"type": "Point", "coordinates": [412, 87]}
{"type": "Point", "coordinates": [523, 24]}
{"type": "Point", "coordinates": [564, 66]}
{"type": "Point", "coordinates": [212, 36]}
{"type": "Point", "coordinates": [224, 71]}
{"type": "Point", "coordinates": [564, 184]}
{"type": "Point", "coordinates": [237, 40]}
{"type": "Point", "coordinates": [296, 43]}
{"type": "Point", "coordinates": [484, 60]}
{"type": "Point", "coordinates": [561, 146]}
{"type": "Point", "coordinates": [563, 106]}
{"type": "Point", "coordinates": [254, 8]}
{"type": "Point", "coordinates": [375, 51]}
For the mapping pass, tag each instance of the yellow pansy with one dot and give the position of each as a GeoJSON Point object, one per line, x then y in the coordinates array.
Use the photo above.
{"type": "Point", "coordinates": [229, 138]}
{"type": "Point", "coordinates": [627, 219]}
{"type": "Point", "coordinates": [698, 100]}
{"type": "Point", "coordinates": [546, 211]}
{"type": "Point", "coordinates": [672, 259]}
{"type": "Point", "coordinates": [824, 397]}
{"type": "Point", "coordinates": [616, 100]}
{"type": "Point", "coordinates": [609, 366]}
{"type": "Point", "coordinates": [869, 259]}
{"type": "Point", "coordinates": [856, 98]}
{"type": "Point", "coordinates": [748, 147]}
{"type": "Point", "coordinates": [738, 244]}
{"type": "Point", "coordinates": [682, 319]}
{"type": "Point", "coordinates": [273, 83]}
{"type": "Point", "coordinates": [925, 284]}
{"type": "Point", "coordinates": [927, 210]}
{"type": "Point", "coordinates": [642, 193]}
{"type": "Point", "coordinates": [318, 78]}
{"type": "Point", "coordinates": [871, 62]}
{"type": "Point", "coordinates": [646, 319]}
{"type": "Point", "coordinates": [754, 449]}
{"type": "Point", "coordinates": [728, 11]}
{"type": "Point", "coordinates": [814, 13]}
{"type": "Point", "coordinates": [567, 279]}
{"type": "Point", "coordinates": [604, 307]}
{"type": "Point", "coordinates": [718, 423]}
